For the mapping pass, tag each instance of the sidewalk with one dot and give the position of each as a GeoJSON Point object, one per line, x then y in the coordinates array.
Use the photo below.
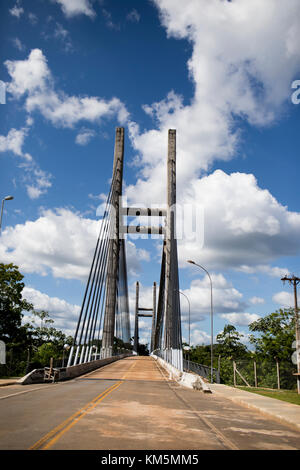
{"type": "Point", "coordinates": [4, 382]}
{"type": "Point", "coordinates": [286, 413]}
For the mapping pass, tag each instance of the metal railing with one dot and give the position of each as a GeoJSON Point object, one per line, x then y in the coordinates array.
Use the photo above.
{"type": "Point", "coordinates": [200, 369]}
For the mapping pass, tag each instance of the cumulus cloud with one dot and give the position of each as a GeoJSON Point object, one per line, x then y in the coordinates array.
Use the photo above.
{"type": "Point", "coordinates": [284, 299]}
{"type": "Point", "coordinates": [13, 142]}
{"type": "Point", "coordinates": [199, 337]}
{"type": "Point", "coordinates": [59, 242]}
{"type": "Point", "coordinates": [240, 319]}
{"type": "Point", "coordinates": [64, 314]}
{"type": "Point", "coordinates": [225, 298]}
{"type": "Point", "coordinates": [257, 300]}
{"type": "Point", "coordinates": [31, 78]}
{"type": "Point", "coordinates": [84, 136]}
{"type": "Point", "coordinates": [245, 227]}
{"type": "Point", "coordinates": [76, 7]}
{"type": "Point", "coordinates": [240, 67]}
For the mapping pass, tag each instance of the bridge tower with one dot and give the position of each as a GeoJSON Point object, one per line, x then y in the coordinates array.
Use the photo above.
{"type": "Point", "coordinates": [105, 305]}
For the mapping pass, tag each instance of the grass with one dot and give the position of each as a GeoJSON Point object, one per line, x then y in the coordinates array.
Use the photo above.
{"type": "Point", "coordinates": [291, 396]}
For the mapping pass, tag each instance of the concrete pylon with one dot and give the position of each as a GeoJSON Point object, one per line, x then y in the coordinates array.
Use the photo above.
{"type": "Point", "coordinates": [172, 333]}
{"type": "Point", "coordinates": [113, 253]}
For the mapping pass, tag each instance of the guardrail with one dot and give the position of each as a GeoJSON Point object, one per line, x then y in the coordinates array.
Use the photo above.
{"type": "Point", "coordinates": [200, 369]}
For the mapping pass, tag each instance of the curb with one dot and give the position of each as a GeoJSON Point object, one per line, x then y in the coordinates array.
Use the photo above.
{"type": "Point", "coordinates": [5, 384]}
{"type": "Point", "coordinates": [279, 418]}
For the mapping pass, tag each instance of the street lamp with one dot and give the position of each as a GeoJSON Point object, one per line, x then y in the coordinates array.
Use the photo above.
{"type": "Point", "coordinates": [7, 198]}
{"type": "Point", "coordinates": [211, 319]}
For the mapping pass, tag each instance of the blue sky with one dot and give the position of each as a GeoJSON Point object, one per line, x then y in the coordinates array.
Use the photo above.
{"type": "Point", "coordinates": [221, 74]}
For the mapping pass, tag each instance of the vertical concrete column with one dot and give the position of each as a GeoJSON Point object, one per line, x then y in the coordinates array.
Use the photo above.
{"type": "Point", "coordinates": [172, 336]}
{"type": "Point", "coordinates": [113, 253]}
{"type": "Point", "coordinates": [136, 323]}
{"type": "Point", "coordinates": [170, 236]}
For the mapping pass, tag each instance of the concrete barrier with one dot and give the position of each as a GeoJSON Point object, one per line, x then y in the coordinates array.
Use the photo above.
{"type": "Point", "coordinates": [67, 373]}
{"type": "Point", "coordinates": [185, 379]}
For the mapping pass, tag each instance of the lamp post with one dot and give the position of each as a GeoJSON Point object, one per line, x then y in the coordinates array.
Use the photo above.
{"type": "Point", "coordinates": [7, 198]}
{"type": "Point", "coordinates": [211, 319]}
{"type": "Point", "coordinates": [189, 326]}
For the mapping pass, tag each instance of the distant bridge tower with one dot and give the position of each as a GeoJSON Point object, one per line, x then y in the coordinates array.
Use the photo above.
{"type": "Point", "coordinates": [139, 309]}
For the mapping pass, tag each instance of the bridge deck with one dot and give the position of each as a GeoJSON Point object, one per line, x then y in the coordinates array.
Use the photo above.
{"type": "Point", "coordinates": [131, 404]}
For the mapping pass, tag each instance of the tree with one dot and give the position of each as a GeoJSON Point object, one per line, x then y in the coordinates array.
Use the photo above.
{"type": "Point", "coordinates": [230, 345]}
{"type": "Point", "coordinates": [12, 303]}
{"type": "Point", "coordinates": [277, 333]}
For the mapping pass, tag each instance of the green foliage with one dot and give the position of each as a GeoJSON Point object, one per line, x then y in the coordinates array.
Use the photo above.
{"type": "Point", "coordinates": [273, 337]}
{"type": "Point", "coordinates": [44, 353]}
{"type": "Point", "coordinates": [230, 343]}
{"type": "Point", "coordinates": [31, 345]}
{"type": "Point", "coordinates": [277, 333]}
{"type": "Point", "coordinates": [11, 303]}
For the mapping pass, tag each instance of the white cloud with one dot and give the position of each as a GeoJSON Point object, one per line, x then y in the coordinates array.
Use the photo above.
{"type": "Point", "coordinates": [64, 314]}
{"type": "Point", "coordinates": [76, 7]}
{"type": "Point", "coordinates": [240, 66]}
{"type": "Point", "coordinates": [244, 53]}
{"type": "Point", "coordinates": [13, 142]}
{"type": "Point", "coordinates": [257, 300]}
{"type": "Point", "coordinates": [59, 242]}
{"type": "Point", "coordinates": [36, 180]}
{"type": "Point", "coordinates": [85, 136]}
{"type": "Point", "coordinates": [244, 226]}
{"type": "Point", "coordinates": [33, 79]}
{"type": "Point", "coordinates": [29, 76]}
{"type": "Point", "coordinates": [269, 270]}
{"type": "Point", "coordinates": [134, 256]}
{"type": "Point", "coordinates": [284, 299]}
{"type": "Point", "coordinates": [41, 183]}
{"type": "Point", "coordinates": [240, 319]}
{"type": "Point", "coordinates": [225, 298]}
{"type": "Point", "coordinates": [199, 337]}
{"type": "Point", "coordinates": [16, 10]}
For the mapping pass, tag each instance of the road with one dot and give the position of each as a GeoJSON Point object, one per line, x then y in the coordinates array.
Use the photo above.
{"type": "Point", "coordinates": [131, 405]}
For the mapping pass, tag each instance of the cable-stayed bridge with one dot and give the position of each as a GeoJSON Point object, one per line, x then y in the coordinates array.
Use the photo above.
{"type": "Point", "coordinates": [136, 403]}
{"type": "Point", "coordinates": [104, 320]}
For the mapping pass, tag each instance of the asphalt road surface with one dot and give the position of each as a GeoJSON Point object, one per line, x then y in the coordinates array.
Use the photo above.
{"type": "Point", "coordinates": [132, 405]}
